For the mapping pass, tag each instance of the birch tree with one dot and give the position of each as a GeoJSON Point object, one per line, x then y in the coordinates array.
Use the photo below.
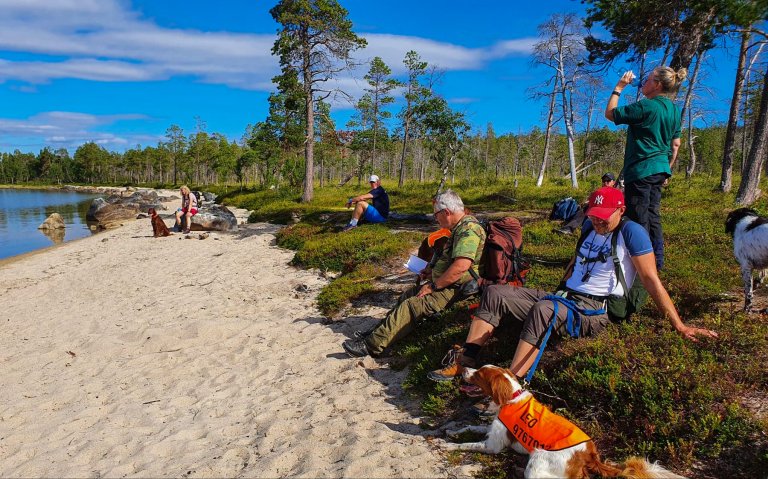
{"type": "Point", "coordinates": [562, 49]}
{"type": "Point", "coordinates": [414, 92]}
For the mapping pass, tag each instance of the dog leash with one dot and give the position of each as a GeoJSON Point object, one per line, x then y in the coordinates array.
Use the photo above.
{"type": "Point", "coordinates": [572, 326]}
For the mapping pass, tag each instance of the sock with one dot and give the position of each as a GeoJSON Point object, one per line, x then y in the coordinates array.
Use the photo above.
{"type": "Point", "coordinates": [353, 222]}
{"type": "Point", "coordinates": [471, 350]}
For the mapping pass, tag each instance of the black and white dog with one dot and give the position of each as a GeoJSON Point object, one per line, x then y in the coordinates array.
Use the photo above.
{"type": "Point", "coordinates": [750, 246]}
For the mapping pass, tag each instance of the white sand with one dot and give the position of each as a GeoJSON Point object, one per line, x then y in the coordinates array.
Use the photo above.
{"type": "Point", "coordinates": [125, 355]}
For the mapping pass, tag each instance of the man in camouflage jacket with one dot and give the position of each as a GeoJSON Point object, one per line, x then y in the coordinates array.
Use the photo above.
{"type": "Point", "coordinates": [451, 270]}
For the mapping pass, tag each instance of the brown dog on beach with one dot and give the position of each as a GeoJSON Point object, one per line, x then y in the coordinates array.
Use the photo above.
{"type": "Point", "coordinates": [158, 225]}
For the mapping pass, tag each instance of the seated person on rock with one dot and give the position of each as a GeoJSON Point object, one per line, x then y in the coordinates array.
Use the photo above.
{"type": "Point", "coordinates": [378, 212]}
{"type": "Point", "coordinates": [450, 271]}
{"type": "Point", "coordinates": [187, 211]}
{"type": "Point", "coordinates": [589, 279]}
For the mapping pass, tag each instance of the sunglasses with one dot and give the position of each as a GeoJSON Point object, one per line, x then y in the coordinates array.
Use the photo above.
{"type": "Point", "coordinates": [600, 221]}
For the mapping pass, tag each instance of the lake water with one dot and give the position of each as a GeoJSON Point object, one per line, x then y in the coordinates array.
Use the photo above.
{"type": "Point", "coordinates": [22, 211]}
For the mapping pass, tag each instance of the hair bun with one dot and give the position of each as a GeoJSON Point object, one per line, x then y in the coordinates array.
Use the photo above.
{"type": "Point", "coordinates": [681, 74]}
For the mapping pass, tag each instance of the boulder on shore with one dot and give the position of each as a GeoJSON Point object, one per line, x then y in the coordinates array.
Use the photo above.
{"type": "Point", "coordinates": [214, 217]}
{"type": "Point", "coordinates": [53, 222]}
{"type": "Point", "coordinates": [116, 208]}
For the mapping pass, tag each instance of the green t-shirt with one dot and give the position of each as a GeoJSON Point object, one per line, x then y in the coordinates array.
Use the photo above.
{"type": "Point", "coordinates": [466, 241]}
{"type": "Point", "coordinates": [653, 124]}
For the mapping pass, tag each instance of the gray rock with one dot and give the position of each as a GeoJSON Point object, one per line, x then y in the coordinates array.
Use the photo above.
{"type": "Point", "coordinates": [53, 222]}
{"type": "Point", "coordinates": [117, 208]}
{"type": "Point", "coordinates": [214, 217]}
{"type": "Point", "coordinates": [104, 212]}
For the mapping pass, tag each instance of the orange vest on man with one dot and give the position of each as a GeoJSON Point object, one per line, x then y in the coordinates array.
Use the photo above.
{"type": "Point", "coordinates": [536, 427]}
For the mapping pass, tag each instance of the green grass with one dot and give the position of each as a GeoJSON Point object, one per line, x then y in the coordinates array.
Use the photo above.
{"type": "Point", "coordinates": [638, 388]}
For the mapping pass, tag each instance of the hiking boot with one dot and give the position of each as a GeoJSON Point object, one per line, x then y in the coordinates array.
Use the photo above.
{"type": "Point", "coordinates": [453, 365]}
{"type": "Point", "coordinates": [363, 333]}
{"type": "Point", "coordinates": [356, 348]}
{"type": "Point", "coordinates": [348, 228]}
{"type": "Point", "coordinates": [563, 231]}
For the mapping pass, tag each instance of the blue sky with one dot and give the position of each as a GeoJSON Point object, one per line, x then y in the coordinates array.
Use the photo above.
{"type": "Point", "coordinates": [120, 72]}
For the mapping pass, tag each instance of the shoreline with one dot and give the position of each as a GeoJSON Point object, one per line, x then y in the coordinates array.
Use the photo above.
{"type": "Point", "coordinates": [127, 355]}
{"type": "Point", "coordinates": [105, 190]}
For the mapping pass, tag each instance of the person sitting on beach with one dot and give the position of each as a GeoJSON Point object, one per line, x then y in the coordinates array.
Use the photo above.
{"type": "Point", "coordinates": [450, 271]}
{"type": "Point", "coordinates": [589, 279]}
{"type": "Point", "coordinates": [187, 211]}
{"type": "Point", "coordinates": [378, 212]}
{"type": "Point", "coordinates": [578, 218]}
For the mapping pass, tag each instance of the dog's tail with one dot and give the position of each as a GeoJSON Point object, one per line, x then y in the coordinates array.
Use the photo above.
{"type": "Point", "coordinates": [635, 468]}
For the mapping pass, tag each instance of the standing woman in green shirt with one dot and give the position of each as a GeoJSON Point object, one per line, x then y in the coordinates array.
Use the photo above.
{"type": "Point", "coordinates": [653, 138]}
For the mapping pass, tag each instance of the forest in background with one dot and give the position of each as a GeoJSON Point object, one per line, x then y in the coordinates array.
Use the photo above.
{"type": "Point", "coordinates": [422, 138]}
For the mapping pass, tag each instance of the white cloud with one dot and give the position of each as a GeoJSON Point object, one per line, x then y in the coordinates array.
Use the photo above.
{"type": "Point", "coordinates": [104, 40]}
{"type": "Point", "coordinates": [71, 129]}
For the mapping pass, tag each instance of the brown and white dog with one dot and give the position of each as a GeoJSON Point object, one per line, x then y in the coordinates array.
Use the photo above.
{"type": "Point", "coordinates": [562, 460]}
{"type": "Point", "coordinates": [750, 246]}
{"type": "Point", "coordinates": [158, 225]}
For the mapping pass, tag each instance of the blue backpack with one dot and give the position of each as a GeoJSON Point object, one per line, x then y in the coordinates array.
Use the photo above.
{"type": "Point", "coordinates": [564, 209]}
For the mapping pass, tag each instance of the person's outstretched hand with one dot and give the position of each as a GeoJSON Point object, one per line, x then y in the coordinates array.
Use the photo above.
{"type": "Point", "coordinates": [690, 333]}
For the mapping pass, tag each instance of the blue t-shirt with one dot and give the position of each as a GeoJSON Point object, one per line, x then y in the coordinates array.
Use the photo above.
{"type": "Point", "coordinates": [380, 201]}
{"type": "Point", "coordinates": [602, 281]}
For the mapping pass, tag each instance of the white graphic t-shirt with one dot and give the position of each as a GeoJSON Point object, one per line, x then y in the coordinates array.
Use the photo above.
{"type": "Point", "coordinates": [594, 272]}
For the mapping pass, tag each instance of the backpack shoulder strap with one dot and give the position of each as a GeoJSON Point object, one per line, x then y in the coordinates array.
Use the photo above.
{"type": "Point", "coordinates": [485, 227]}
{"type": "Point", "coordinates": [585, 230]}
{"type": "Point", "coordinates": [616, 263]}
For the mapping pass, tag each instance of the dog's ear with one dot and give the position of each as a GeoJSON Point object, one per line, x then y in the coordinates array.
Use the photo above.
{"type": "Point", "coordinates": [501, 388]}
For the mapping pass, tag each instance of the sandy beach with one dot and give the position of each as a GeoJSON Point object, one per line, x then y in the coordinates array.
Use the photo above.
{"type": "Point", "coordinates": [126, 355]}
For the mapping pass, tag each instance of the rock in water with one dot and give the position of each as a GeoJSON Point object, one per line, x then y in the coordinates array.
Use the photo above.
{"type": "Point", "coordinates": [53, 222]}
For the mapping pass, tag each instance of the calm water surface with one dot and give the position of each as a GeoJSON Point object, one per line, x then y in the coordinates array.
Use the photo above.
{"type": "Point", "coordinates": [22, 211]}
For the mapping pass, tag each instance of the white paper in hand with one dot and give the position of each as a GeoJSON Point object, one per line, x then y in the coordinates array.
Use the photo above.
{"type": "Point", "coordinates": [416, 264]}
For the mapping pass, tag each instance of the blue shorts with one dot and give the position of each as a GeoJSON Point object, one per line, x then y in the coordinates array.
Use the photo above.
{"type": "Point", "coordinates": [372, 215]}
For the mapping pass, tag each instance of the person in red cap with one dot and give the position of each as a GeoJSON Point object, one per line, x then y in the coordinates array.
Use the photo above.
{"type": "Point", "coordinates": [589, 279]}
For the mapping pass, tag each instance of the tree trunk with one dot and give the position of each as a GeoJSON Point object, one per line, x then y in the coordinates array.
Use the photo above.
{"type": "Point", "coordinates": [726, 176]}
{"type": "Point", "coordinates": [445, 167]}
{"type": "Point", "coordinates": [547, 135]}
{"type": "Point", "coordinates": [691, 87]}
{"type": "Point", "coordinates": [689, 46]}
{"type": "Point", "coordinates": [640, 76]}
{"type": "Point", "coordinates": [401, 179]}
{"type": "Point", "coordinates": [687, 107]}
{"type": "Point", "coordinates": [567, 118]}
{"type": "Point", "coordinates": [309, 145]}
{"type": "Point", "coordinates": [748, 189]}
{"type": "Point", "coordinates": [691, 150]}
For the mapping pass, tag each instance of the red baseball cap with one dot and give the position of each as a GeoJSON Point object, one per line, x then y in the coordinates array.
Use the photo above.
{"type": "Point", "coordinates": [604, 201]}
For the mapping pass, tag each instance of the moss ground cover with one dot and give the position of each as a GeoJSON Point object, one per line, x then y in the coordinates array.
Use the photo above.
{"type": "Point", "coordinates": [637, 388]}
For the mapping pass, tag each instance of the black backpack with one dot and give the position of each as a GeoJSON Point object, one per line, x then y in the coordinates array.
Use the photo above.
{"type": "Point", "coordinates": [635, 296]}
{"type": "Point", "coordinates": [200, 197]}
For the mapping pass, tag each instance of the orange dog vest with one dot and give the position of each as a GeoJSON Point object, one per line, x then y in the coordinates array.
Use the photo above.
{"type": "Point", "coordinates": [441, 233]}
{"type": "Point", "coordinates": [536, 427]}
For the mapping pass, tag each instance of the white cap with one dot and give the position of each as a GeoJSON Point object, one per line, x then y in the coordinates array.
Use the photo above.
{"type": "Point", "coordinates": [374, 179]}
